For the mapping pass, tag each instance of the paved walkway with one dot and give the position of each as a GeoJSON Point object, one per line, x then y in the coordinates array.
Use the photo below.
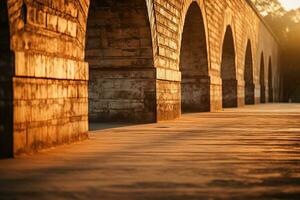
{"type": "Point", "coordinates": [247, 153]}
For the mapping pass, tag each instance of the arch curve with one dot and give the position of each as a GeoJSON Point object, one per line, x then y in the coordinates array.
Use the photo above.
{"type": "Point", "coordinates": [228, 70]}
{"type": "Point", "coordinates": [187, 4]}
{"type": "Point", "coordinates": [195, 84]}
{"type": "Point", "coordinates": [262, 79]}
{"type": "Point", "coordinates": [119, 50]}
{"type": "Point", "coordinates": [248, 75]}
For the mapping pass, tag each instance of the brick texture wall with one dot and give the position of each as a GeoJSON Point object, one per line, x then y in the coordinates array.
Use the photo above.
{"type": "Point", "coordinates": [134, 51]}
{"type": "Point", "coordinates": [246, 26]}
{"type": "Point", "coordinates": [50, 76]}
{"type": "Point", "coordinates": [120, 54]}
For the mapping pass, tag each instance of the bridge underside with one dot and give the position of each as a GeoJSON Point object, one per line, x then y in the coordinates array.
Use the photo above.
{"type": "Point", "coordinates": [246, 153]}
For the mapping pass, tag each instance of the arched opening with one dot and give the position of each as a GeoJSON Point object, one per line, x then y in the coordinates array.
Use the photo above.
{"type": "Point", "coordinates": [270, 81]}
{"type": "Point", "coordinates": [248, 76]}
{"type": "Point", "coordinates": [6, 133]}
{"type": "Point", "coordinates": [120, 57]}
{"type": "Point", "coordinates": [195, 85]}
{"type": "Point", "coordinates": [228, 71]}
{"type": "Point", "coordinates": [262, 79]}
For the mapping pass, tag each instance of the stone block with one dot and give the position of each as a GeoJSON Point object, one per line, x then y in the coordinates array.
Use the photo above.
{"type": "Point", "coordinates": [52, 21]}
{"type": "Point", "coordinates": [62, 25]}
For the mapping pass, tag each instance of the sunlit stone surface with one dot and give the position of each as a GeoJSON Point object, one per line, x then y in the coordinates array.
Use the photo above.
{"type": "Point", "coordinates": [245, 153]}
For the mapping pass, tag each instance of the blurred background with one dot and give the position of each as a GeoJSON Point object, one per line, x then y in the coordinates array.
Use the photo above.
{"type": "Point", "coordinates": [283, 16]}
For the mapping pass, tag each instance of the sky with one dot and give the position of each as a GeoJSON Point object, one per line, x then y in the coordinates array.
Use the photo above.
{"type": "Point", "coordinates": [290, 4]}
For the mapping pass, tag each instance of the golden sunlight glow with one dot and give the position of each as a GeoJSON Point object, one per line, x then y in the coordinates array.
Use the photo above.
{"type": "Point", "coordinates": [290, 4]}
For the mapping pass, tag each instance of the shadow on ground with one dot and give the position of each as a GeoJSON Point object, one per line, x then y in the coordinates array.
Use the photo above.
{"type": "Point", "coordinates": [103, 126]}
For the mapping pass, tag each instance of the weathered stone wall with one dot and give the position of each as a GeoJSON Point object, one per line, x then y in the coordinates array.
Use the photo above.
{"type": "Point", "coordinates": [246, 26]}
{"type": "Point", "coordinates": [168, 95]}
{"type": "Point", "coordinates": [50, 79]}
{"type": "Point", "coordinates": [137, 70]}
{"type": "Point", "coordinates": [269, 48]}
{"type": "Point", "coordinates": [120, 54]}
{"type": "Point", "coordinates": [168, 100]}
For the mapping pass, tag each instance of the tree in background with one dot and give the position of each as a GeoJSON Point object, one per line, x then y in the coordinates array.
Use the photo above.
{"type": "Point", "coordinates": [286, 26]}
{"type": "Point", "coordinates": [269, 7]}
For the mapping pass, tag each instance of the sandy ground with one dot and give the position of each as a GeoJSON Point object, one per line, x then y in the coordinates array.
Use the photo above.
{"type": "Point", "coordinates": [246, 153]}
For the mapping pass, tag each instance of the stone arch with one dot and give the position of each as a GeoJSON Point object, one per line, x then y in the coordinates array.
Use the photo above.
{"type": "Point", "coordinates": [228, 70]}
{"type": "Point", "coordinates": [262, 79]}
{"type": "Point", "coordinates": [248, 75]}
{"type": "Point", "coordinates": [195, 84]}
{"type": "Point", "coordinates": [185, 8]}
{"type": "Point", "coordinates": [120, 55]}
{"type": "Point", "coordinates": [6, 132]}
{"type": "Point", "coordinates": [270, 80]}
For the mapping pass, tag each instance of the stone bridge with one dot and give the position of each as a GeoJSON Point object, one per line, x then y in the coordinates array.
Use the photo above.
{"type": "Point", "coordinates": [66, 62]}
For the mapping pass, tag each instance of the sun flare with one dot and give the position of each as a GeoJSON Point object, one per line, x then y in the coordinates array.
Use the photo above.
{"type": "Point", "coordinates": [290, 4]}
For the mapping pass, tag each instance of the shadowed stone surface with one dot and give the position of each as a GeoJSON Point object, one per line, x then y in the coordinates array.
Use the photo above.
{"type": "Point", "coordinates": [246, 153]}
